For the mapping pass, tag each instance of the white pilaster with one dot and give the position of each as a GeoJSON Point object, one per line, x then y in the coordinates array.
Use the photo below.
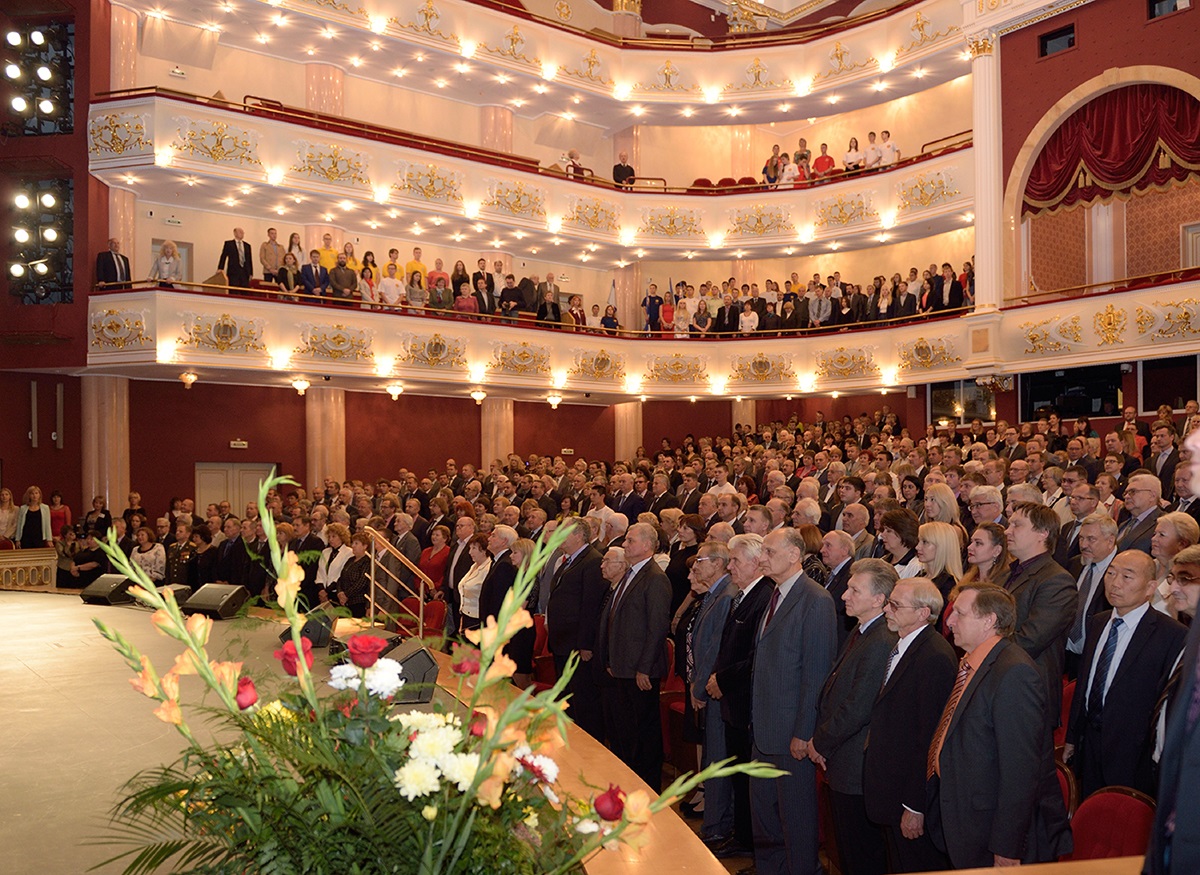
{"type": "Point", "coordinates": [989, 194]}
{"type": "Point", "coordinates": [105, 440]}
{"type": "Point", "coordinates": [628, 428]}
{"type": "Point", "coordinates": [495, 430]}
{"type": "Point", "coordinates": [324, 435]}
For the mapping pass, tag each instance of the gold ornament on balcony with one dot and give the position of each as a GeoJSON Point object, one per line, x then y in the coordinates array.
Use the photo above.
{"type": "Point", "coordinates": [593, 214]}
{"type": "Point", "coordinates": [219, 142]}
{"type": "Point", "coordinates": [118, 329]}
{"type": "Point", "coordinates": [117, 134]}
{"type": "Point", "coordinates": [428, 18]}
{"type": "Point", "coordinates": [763, 368]}
{"type": "Point", "coordinates": [333, 164]}
{"type": "Point", "coordinates": [671, 222]}
{"type": "Point", "coordinates": [563, 10]}
{"type": "Point", "coordinates": [1110, 325]}
{"type": "Point", "coordinates": [1052, 335]}
{"type": "Point", "coordinates": [517, 200]}
{"type": "Point", "coordinates": [436, 351]}
{"type": "Point", "coordinates": [336, 342]}
{"type": "Point", "coordinates": [1174, 320]}
{"type": "Point", "coordinates": [601, 365]}
{"type": "Point", "coordinates": [846, 362]}
{"type": "Point", "coordinates": [926, 189]}
{"type": "Point", "coordinates": [433, 183]}
{"type": "Point", "coordinates": [224, 333]}
{"type": "Point", "coordinates": [845, 209]}
{"type": "Point", "coordinates": [923, 354]}
{"type": "Point", "coordinates": [591, 71]}
{"type": "Point", "coordinates": [760, 221]}
{"type": "Point", "coordinates": [520, 358]}
{"type": "Point", "coordinates": [677, 368]}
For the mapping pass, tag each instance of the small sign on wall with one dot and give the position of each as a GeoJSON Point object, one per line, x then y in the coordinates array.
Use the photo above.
{"type": "Point", "coordinates": [567, 451]}
{"type": "Point", "coordinates": [239, 445]}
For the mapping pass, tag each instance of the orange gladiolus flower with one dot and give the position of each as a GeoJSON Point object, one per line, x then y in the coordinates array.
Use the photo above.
{"type": "Point", "coordinates": [185, 663]}
{"type": "Point", "coordinates": [143, 683]}
{"type": "Point", "coordinates": [199, 627]}
{"type": "Point", "coordinates": [492, 787]}
{"type": "Point", "coordinates": [287, 587]}
{"type": "Point", "coordinates": [164, 623]}
{"type": "Point", "coordinates": [502, 667]}
{"type": "Point", "coordinates": [227, 674]}
{"type": "Point", "coordinates": [168, 712]}
{"type": "Point", "coordinates": [169, 684]}
{"type": "Point", "coordinates": [637, 807]}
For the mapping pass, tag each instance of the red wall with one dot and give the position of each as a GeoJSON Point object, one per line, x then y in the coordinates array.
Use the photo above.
{"type": "Point", "coordinates": [1108, 33]}
{"type": "Point", "coordinates": [171, 428]}
{"type": "Point", "coordinates": [417, 432]}
{"type": "Point", "coordinates": [674, 419]}
{"type": "Point", "coordinates": [589, 430]}
{"type": "Point", "coordinates": [46, 467]}
{"type": "Point", "coordinates": [910, 410]}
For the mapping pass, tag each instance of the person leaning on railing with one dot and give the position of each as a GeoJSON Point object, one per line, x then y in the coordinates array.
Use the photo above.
{"type": "Point", "coordinates": [288, 276]}
{"type": "Point", "coordinates": [464, 301]}
{"type": "Point", "coordinates": [167, 267]}
{"type": "Point", "coordinates": [313, 276]}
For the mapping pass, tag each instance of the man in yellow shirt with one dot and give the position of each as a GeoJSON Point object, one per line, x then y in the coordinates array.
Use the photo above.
{"type": "Point", "coordinates": [415, 264]}
{"type": "Point", "coordinates": [329, 255]}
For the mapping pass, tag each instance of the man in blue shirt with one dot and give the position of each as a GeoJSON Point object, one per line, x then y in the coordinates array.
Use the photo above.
{"type": "Point", "coordinates": [652, 307]}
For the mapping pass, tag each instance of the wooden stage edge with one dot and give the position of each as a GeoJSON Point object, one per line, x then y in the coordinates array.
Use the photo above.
{"type": "Point", "coordinates": [673, 847]}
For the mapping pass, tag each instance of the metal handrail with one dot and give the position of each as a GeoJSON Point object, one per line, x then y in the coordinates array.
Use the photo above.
{"type": "Point", "coordinates": [951, 140]}
{"type": "Point", "coordinates": [1116, 284]}
{"type": "Point", "coordinates": [426, 581]}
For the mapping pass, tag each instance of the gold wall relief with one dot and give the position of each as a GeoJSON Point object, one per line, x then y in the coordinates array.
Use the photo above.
{"type": "Point", "coordinates": [1110, 325]}
{"type": "Point", "coordinates": [846, 362]}
{"type": "Point", "coordinates": [1051, 335]}
{"type": "Point", "coordinates": [516, 200]}
{"type": "Point", "coordinates": [336, 342]}
{"type": "Point", "coordinates": [978, 46]}
{"type": "Point", "coordinates": [591, 70]}
{"type": "Point", "coordinates": [601, 365]}
{"type": "Point", "coordinates": [224, 333]}
{"type": "Point", "coordinates": [433, 183]}
{"type": "Point", "coordinates": [118, 329]}
{"type": "Point", "coordinates": [760, 221]}
{"type": "Point", "coordinates": [520, 358]}
{"type": "Point", "coordinates": [219, 142]}
{"type": "Point", "coordinates": [763, 368]}
{"type": "Point", "coordinates": [843, 210]}
{"type": "Point", "coordinates": [117, 134]}
{"type": "Point", "coordinates": [593, 214]}
{"type": "Point", "coordinates": [677, 368]}
{"type": "Point", "coordinates": [671, 222]}
{"type": "Point", "coordinates": [428, 18]}
{"type": "Point", "coordinates": [332, 163]}
{"type": "Point", "coordinates": [926, 189]}
{"type": "Point", "coordinates": [1170, 320]}
{"type": "Point", "coordinates": [436, 351]}
{"type": "Point", "coordinates": [923, 354]}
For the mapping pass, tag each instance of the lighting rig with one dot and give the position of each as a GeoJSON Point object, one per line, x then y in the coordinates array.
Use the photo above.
{"type": "Point", "coordinates": [39, 79]}
{"type": "Point", "coordinates": [40, 267]}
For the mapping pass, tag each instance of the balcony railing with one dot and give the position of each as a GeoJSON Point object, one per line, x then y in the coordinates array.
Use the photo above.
{"type": "Point", "coordinates": [1124, 284]}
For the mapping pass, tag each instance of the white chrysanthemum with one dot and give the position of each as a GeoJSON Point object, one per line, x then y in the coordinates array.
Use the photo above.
{"type": "Point", "coordinates": [384, 678]}
{"type": "Point", "coordinates": [587, 827]}
{"type": "Point", "coordinates": [460, 769]}
{"type": "Point", "coordinates": [435, 743]}
{"type": "Point", "coordinates": [417, 778]}
{"type": "Point", "coordinates": [542, 767]}
{"type": "Point", "coordinates": [344, 677]}
{"type": "Point", "coordinates": [420, 720]}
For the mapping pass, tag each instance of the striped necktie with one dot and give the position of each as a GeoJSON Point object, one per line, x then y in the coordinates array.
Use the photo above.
{"type": "Point", "coordinates": [939, 737]}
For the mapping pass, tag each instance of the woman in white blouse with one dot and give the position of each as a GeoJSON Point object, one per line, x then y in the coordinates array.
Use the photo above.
{"type": "Point", "coordinates": [472, 582]}
{"type": "Point", "coordinates": [296, 248]}
{"type": "Point", "coordinates": [854, 158]}
{"type": "Point", "coordinates": [682, 318]}
{"type": "Point", "coordinates": [149, 555]}
{"type": "Point", "coordinates": [167, 267]}
{"type": "Point", "coordinates": [333, 558]}
{"type": "Point", "coordinates": [748, 319]}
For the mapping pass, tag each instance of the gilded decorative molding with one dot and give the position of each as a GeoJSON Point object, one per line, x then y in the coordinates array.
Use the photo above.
{"type": "Point", "coordinates": [433, 183]}
{"type": "Point", "coordinates": [428, 19]}
{"type": "Point", "coordinates": [979, 46]}
{"type": "Point", "coordinates": [520, 358]}
{"type": "Point", "coordinates": [920, 29]}
{"type": "Point", "coordinates": [563, 10]}
{"type": "Point", "coordinates": [1049, 13]}
{"type": "Point", "coordinates": [926, 189]}
{"type": "Point", "coordinates": [671, 222]}
{"type": "Point", "coordinates": [762, 368]}
{"type": "Point", "coordinates": [668, 80]}
{"type": "Point", "coordinates": [591, 72]}
{"type": "Point", "coordinates": [846, 362]}
{"type": "Point", "coordinates": [513, 47]}
{"type": "Point", "coordinates": [335, 342]}
{"type": "Point", "coordinates": [760, 221]}
{"type": "Point", "coordinates": [632, 7]}
{"type": "Point", "coordinates": [677, 368]}
{"type": "Point", "coordinates": [516, 200]}
{"type": "Point", "coordinates": [332, 163]}
{"type": "Point", "coordinates": [436, 351]}
{"type": "Point", "coordinates": [1110, 325]}
{"type": "Point", "coordinates": [601, 365]}
{"type": "Point", "coordinates": [1055, 338]}
{"type": "Point", "coordinates": [758, 79]}
{"type": "Point", "coordinates": [593, 214]}
{"type": "Point", "coordinates": [117, 134]}
{"type": "Point", "coordinates": [841, 62]}
{"type": "Point", "coordinates": [118, 329]}
{"type": "Point", "coordinates": [990, 5]}
{"type": "Point", "coordinates": [217, 141]}
{"type": "Point", "coordinates": [740, 18]}
{"type": "Point", "coordinates": [845, 209]}
{"type": "Point", "coordinates": [1174, 320]}
{"type": "Point", "coordinates": [224, 333]}
{"type": "Point", "coordinates": [923, 354]}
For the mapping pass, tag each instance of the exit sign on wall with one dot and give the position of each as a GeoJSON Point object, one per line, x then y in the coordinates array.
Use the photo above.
{"type": "Point", "coordinates": [239, 445]}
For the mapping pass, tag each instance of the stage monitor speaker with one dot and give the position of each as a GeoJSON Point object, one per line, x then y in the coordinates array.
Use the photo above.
{"type": "Point", "coordinates": [108, 589]}
{"type": "Point", "coordinates": [318, 629]}
{"type": "Point", "coordinates": [182, 593]}
{"type": "Point", "coordinates": [420, 669]}
{"type": "Point", "coordinates": [221, 601]}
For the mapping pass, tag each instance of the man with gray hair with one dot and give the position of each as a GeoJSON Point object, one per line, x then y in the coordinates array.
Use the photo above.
{"type": "Point", "coordinates": [615, 529]}
{"type": "Point", "coordinates": [1142, 497]}
{"type": "Point", "coordinates": [1097, 549]}
{"type": "Point", "coordinates": [807, 512]}
{"type": "Point", "coordinates": [631, 656]}
{"type": "Point", "coordinates": [721, 533]}
{"type": "Point", "coordinates": [837, 552]}
{"type": "Point", "coordinates": [987, 506]}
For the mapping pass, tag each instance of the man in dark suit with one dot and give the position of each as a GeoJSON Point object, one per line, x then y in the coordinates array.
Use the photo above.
{"type": "Point", "coordinates": [1130, 652]}
{"type": "Point", "coordinates": [837, 552]}
{"type": "Point", "coordinates": [548, 286]}
{"type": "Point", "coordinates": [623, 174]}
{"type": "Point", "coordinates": [730, 683]}
{"type": "Point", "coordinates": [1097, 548]}
{"type": "Point", "coordinates": [844, 714]}
{"type": "Point", "coordinates": [916, 683]}
{"type": "Point", "coordinates": [1142, 497]}
{"type": "Point", "coordinates": [1045, 595]}
{"type": "Point", "coordinates": [501, 576]}
{"type": "Point", "coordinates": [947, 290]}
{"type": "Point", "coordinates": [577, 592]}
{"type": "Point", "coordinates": [631, 657]}
{"type": "Point", "coordinates": [689, 492]}
{"type": "Point", "coordinates": [1084, 500]}
{"type": "Point", "coordinates": [1163, 457]}
{"type": "Point", "coordinates": [1185, 499]}
{"type": "Point", "coordinates": [906, 302]}
{"type": "Point", "coordinates": [237, 260]}
{"type": "Point", "coordinates": [627, 501]}
{"type": "Point", "coordinates": [485, 297]}
{"type": "Point", "coordinates": [489, 282]}
{"type": "Point", "coordinates": [313, 276]}
{"type": "Point", "coordinates": [232, 560]}
{"type": "Point", "coordinates": [726, 320]}
{"type": "Point", "coordinates": [406, 542]}
{"type": "Point", "coordinates": [112, 268]}
{"type": "Point", "coordinates": [992, 781]}
{"type": "Point", "coordinates": [307, 542]}
{"type": "Point", "coordinates": [457, 568]}
{"type": "Point", "coordinates": [661, 496]}
{"type": "Point", "coordinates": [797, 642]}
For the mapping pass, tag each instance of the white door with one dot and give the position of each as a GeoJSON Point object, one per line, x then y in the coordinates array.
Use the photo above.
{"type": "Point", "coordinates": [1191, 246]}
{"type": "Point", "coordinates": [235, 482]}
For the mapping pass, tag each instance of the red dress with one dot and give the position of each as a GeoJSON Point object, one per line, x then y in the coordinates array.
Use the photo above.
{"type": "Point", "coordinates": [434, 564]}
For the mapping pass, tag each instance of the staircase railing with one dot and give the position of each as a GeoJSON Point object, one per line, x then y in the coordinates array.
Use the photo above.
{"type": "Point", "coordinates": [425, 583]}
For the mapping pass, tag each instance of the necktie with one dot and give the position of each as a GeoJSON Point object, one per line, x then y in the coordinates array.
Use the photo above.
{"type": "Point", "coordinates": [887, 675]}
{"type": "Point", "coordinates": [241, 254]}
{"type": "Point", "coordinates": [737, 600]}
{"type": "Point", "coordinates": [120, 268]}
{"type": "Point", "coordinates": [771, 608]}
{"type": "Point", "coordinates": [1184, 504]}
{"type": "Point", "coordinates": [562, 567]}
{"type": "Point", "coordinates": [939, 736]}
{"type": "Point", "coordinates": [1085, 589]}
{"type": "Point", "coordinates": [620, 592]}
{"type": "Point", "coordinates": [1103, 664]}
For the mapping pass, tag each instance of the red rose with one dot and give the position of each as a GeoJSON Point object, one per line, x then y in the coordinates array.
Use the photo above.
{"type": "Point", "coordinates": [466, 660]}
{"type": "Point", "coordinates": [290, 659]}
{"type": "Point", "coordinates": [611, 804]}
{"type": "Point", "coordinates": [365, 649]}
{"type": "Point", "coordinates": [479, 725]}
{"type": "Point", "coordinates": [246, 694]}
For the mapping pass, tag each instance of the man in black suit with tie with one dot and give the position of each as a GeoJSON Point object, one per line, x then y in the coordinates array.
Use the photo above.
{"type": "Point", "coordinates": [689, 492]}
{"type": "Point", "coordinates": [917, 680]}
{"type": "Point", "coordinates": [726, 319]}
{"type": "Point", "coordinates": [837, 552]}
{"type": "Point", "coordinates": [1084, 500]}
{"type": "Point", "coordinates": [995, 794]}
{"type": "Point", "coordinates": [577, 592]}
{"type": "Point", "coordinates": [306, 542]}
{"type": "Point", "coordinates": [233, 561]}
{"type": "Point", "coordinates": [627, 501]}
{"type": "Point", "coordinates": [237, 260]}
{"type": "Point", "coordinates": [730, 681]}
{"type": "Point", "coordinates": [1097, 548]}
{"type": "Point", "coordinates": [457, 568]}
{"type": "Point", "coordinates": [1185, 499]}
{"type": "Point", "coordinates": [947, 290]}
{"type": "Point", "coordinates": [661, 496]}
{"type": "Point", "coordinates": [1142, 497]}
{"type": "Point", "coordinates": [112, 268]}
{"type": "Point", "coordinates": [313, 276]}
{"type": "Point", "coordinates": [1130, 652]}
{"type": "Point", "coordinates": [631, 657]}
{"type": "Point", "coordinates": [485, 294]}
{"type": "Point", "coordinates": [502, 575]}
{"type": "Point", "coordinates": [844, 714]}
{"type": "Point", "coordinates": [1163, 457]}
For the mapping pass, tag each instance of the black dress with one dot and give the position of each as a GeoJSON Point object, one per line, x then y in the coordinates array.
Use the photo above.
{"type": "Point", "coordinates": [355, 581]}
{"type": "Point", "coordinates": [202, 567]}
{"type": "Point", "coordinates": [677, 573]}
{"type": "Point", "coordinates": [30, 536]}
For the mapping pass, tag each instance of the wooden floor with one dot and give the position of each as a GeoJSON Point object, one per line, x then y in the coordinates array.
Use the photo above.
{"type": "Point", "coordinates": [74, 731]}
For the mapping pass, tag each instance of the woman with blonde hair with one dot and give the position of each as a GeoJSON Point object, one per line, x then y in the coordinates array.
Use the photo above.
{"type": "Point", "coordinates": [33, 521]}
{"type": "Point", "coordinates": [939, 553]}
{"type": "Point", "coordinates": [167, 267]}
{"type": "Point", "coordinates": [8, 515]}
{"type": "Point", "coordinates": [1173, 532]}
{"type": "Point", "coordinates": [942, 507]}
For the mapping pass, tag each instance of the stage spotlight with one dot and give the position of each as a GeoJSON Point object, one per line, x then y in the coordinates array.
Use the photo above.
{"type": "Point", "coordinates": [22, 201]}
{"type": "Point", "coordinates": [21, 235]}
{"type": "Point", "coordinates": [41, 268]}
{"type": "Point", "coordinates": [19, 104]}
{"type": "Point", "coordinates": [49, 201]}
{"type": "Point", "coordinates": [44, 73]}
{"type": "Point", "coordinates": [13, 38]}
{"type": "Point", "coordinates": [37, 38]}
{"type": "Point", "coordinates": [46, 106]}
{"type": "Point", "coordinates": [12, 71]}
{"type": "Point", "coordinates": [17, 271]}
{"type": "Point", "coordinates": [41, 292]}
{"type": "Point", "coordinates": [50, 235]}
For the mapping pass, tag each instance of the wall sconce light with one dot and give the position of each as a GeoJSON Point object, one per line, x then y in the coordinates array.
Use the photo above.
{"type": "Point", "coordinates": [395, 390]}
{"type": "Point", "coordinates": [300, 385]}
{"type": "Point", "coordinates": [554, 400]}
{"type": "Point", "coordinates": [479, 395]}
{"type": "Point", "coordinates": [187, 378]}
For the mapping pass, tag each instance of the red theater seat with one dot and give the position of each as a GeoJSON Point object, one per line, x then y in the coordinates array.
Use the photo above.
{"type": "Point", "coordinates": [1112, 822]}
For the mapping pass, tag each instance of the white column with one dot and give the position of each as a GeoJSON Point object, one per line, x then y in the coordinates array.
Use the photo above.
{"type": "Point", "coordinates": [495, 430]}
{"type": "Point", "coordinates": [628, 428]}
{"type": "Point", "coordinates": [742, 161]}
{"type": "Point", "coordinates": [496, 129]}
{"type": "Point", "coordinates": [122, 224]}
{"type": "Point", "coordinates": [324, 88]}
{"type": "Point", "coordinates": [745, 412]}
{"type": "Point", "coordinates": [989, 195]}
{"type": "Point", "coordinates": [324, 435]}
{"type": "Point", "coordinates": [630, 292]}
{"type": "Point", "coordinates": [1101, 261]}
{"type": "Point", "coordinates": [627, 18]}
{"type": "Point", "coordinates": [105, 441]}
{"type": "Point", "coordinates": [123, 24]}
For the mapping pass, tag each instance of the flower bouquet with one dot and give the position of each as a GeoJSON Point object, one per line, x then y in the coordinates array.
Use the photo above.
{"type": "Point", "coordinates": [340, 781]}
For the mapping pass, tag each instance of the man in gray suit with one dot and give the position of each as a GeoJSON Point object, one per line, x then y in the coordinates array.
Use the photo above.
{"type": "Point", "coordinates": [796, 646]}
{"type": "Point", "coordinates": [844, 715]}
{"type": "Point", "coordinates": [406, 542]}
{"type": "Point", "coordinates": [632, 644]}
{"type": "Point", "coordinates": [1142, 497]}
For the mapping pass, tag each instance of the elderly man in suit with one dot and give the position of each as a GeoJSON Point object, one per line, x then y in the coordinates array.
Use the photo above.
{"type": "Point", "coordinates": [916, 683]}
{"type": "Point", "coordinates": [992, 781]}
{"type": "Point", "coordinates": [710, 571]}
{"type": "Point", "coordinates": [855, 518]}
{"type": "Point", "coordinates": [1130, 652]}
{"type": "Point", "coordinates": [837, 552]}
{"type": "Point", "coordinates": [730, 682]}
{"type": "Point", "coordinates": [1097, 548]}
{"type": "Point", "coordinates": [306, 542]}
{"type": "Point", "coordinates": [577, 592]}
{"type": "Point", "coordinates": [457, 568]}
{"type": "Point", "coordinates": [237, 260]}
{"type": "Point", "coordinates": [844, 714]}
{"type": "Point", "coordinates": [632, 656]}
{"type": "Point", "coordinates": [797, 642]}
{"type": "Point", "coordinates": [501, 576]}
{"type": "Point", "coordinates": [1046, 596]}
{"type": "Point", "coordinates": [1142, 497]}
{"type": "Point", "coordinates": [112, 268]}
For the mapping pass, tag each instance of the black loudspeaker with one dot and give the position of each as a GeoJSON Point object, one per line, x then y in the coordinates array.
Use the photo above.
{"type": "Point", "coordinates": [318, 629]}
{"type": "Point", "coordinates": [221, 601]}
{"type": "Point", "coordinates": [420, 668]}
{"type": "Point", "coordinates": [182, 593]}
{"type": "Point", "coordinates": [108, 589]}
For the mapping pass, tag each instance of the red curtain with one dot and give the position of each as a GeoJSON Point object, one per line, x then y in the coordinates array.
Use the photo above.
{"type": "Point", "coordinates": [1131, 139]}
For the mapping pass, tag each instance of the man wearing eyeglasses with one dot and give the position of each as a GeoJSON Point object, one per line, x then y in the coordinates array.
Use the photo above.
{"type": "Point", "coordinates": [1142, 497]}
{"type": "Point", "coordinates": [987, 506]}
